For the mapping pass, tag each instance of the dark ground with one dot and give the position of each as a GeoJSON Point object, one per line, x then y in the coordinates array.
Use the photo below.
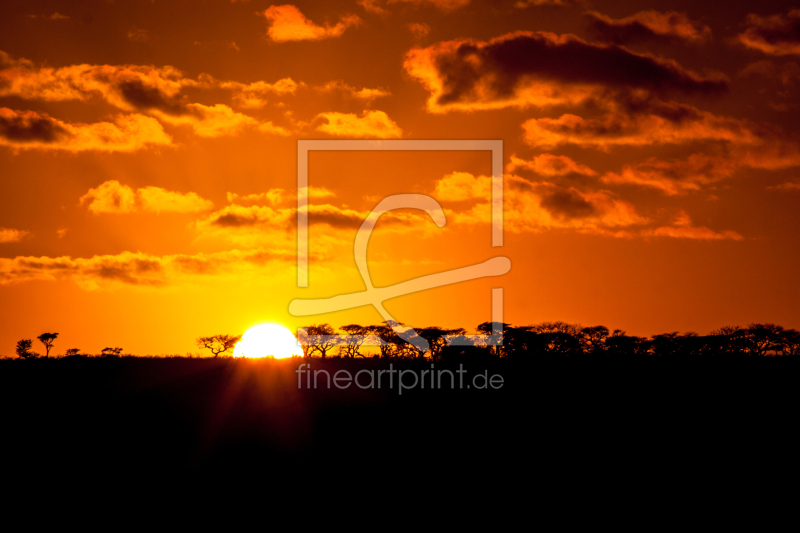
{"type": "Point", "coordinates": [122, 420]}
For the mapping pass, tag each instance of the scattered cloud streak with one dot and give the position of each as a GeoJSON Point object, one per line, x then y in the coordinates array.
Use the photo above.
{"type": "Point", "coordinates": [26, 130]}
{"type": "Point", "coordinates": [139, 269]}
{"type": "Point", "coordinates": [369, 124]}
{"type": "Point", "coordinates": [12, 235]}
{"type": "Point", "coordinates": [549, 166]}
{"type": "Point", "coordinates": [647, 26]}
{"type": "Point", "coordinates": [777, 35]}
{"type": "Point", "coordinates": [143, 89]}
{"type": "Point", "coordinates": [112, 197]}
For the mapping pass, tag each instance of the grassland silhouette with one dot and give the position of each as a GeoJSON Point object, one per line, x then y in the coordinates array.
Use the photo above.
{"type": "Point", "coordinates": [573, 401]}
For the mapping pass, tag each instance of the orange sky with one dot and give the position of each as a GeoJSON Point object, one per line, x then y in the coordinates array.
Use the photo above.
{"type": "Point", "coordinates": [148, 163]}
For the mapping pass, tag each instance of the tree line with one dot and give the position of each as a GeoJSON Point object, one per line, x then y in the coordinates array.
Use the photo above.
{"type": "Point", "coordinates": [549, 340]}
{"type": "Point", "coordinates": [500, 340]}
{"type": "Point", "coordinates": [24, 348]}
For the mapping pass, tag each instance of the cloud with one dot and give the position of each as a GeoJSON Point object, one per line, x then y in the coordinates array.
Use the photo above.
{"type": "Point", "coordinates": [279, 196]}
{"type": "Point", "coordinates": [31, 130]}
{"type": "Point", "coordinates": [460, 186]}
{"type": "Point", "coordinates": [536, 206]}
{"type": "Point", "coordinates": [663, 123]}
{"type": "Point", "coordinates": [110, 197]}
{"type": "Point", "coordinates": [258, 224]}
{"type": "Point", "coordinates": [735, 144]}
{"type": "Point", "coordinates": [697, 233]}
{"type": "Point", "coordinates": [373, 6]}
{"type": "Point", "coordinates": [252, 95]}
{"type": "Point", "coordinates": [114, 197]}
{"type": "Point", "coordinates": [11, 235]}
{"type": "Point", "coordinates": [272, 196]}
{"type": "Point", "coordinates": [776, 35]}
{"type": "Point", "coordinates": [543, 69]}
{"type": "Point", "coordinates": [139, 269]}
{"type": "Point", "coordinates": [316, 193]}
{"type": "Point", "coordinates": [787, 186]}
{"type": "Point", "coordinates": [645, 26]}
{"type": "Point", "coordinates": [444, 5]}
{"type": "Point", "coordinates": [369, 124]}
{"type": "Point", "coordinates": [287, 23]}
{"type": "Point", "coordinates": [549, 166]}
{"type": "Point", "coordinates": [215, 121]}
{"type": "Point", "coordinates": [127, 87]}
{"type": "Point", "coordinates": [419, 30]}
{"type": "Point", "coordinates": [365, 93]}
{"type": "Point", "coordinates": [58, 16]}
{"type": "Point", "coordinates": [143, 89]}
{"type": "Point", "coordinates": [683, 229]}
{"type": "Point", "coordinates": [158, 200]}
{"type": "Point", "coordinates": [675, 176]}
{"type": "Point", "coordinates": [238, 216]}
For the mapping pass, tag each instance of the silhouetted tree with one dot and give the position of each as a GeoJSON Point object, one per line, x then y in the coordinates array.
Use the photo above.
{"type": "Point", "coordinates": [764, 338]}
{"type": "Point", "coordinates": [388, 336]}
{"type": "Point", "coordinates": [218, 344]}
{"type": "Point", "coordinates": [560, 344]}
{"type": "Point", "coordinates": [437, 338]}
{"type": "Point", "coordinates": [593, 339]}
{"type": "Point", "coordinates": [622, 345]}
{"type": "Point", "coordinates": [24, 349]}
{"type": "Point", "coordinates": [734, 340]}
{"type": "Point", "coordinates": [666, 344]}
{"type": "Point", "coordinates": [47, 339]}
{"type": "Point", "coordinates": [111, 352]}
{"type": "Point", "coordinates": [355, 338]}
{"type": "Point", "coordinates": [72, 352]}
{"type": "Point", "coordinates": [315, 345]}
{"type": "Point", "coordinates": [790, 342]}
{"type": "Point", "coordinates": [496, 344]}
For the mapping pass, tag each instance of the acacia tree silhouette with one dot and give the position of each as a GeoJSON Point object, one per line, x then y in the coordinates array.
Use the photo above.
{"type": "Point", "coordinates": [322, 346]}
{"type": "Point", "coordinates": [355, 338]}
{"type": "Point", "coordinates": [47, 339]}
{"type": "Point", "coordinates": [218, 344]}
{"type": "Point", "coordinates": [24, 349]}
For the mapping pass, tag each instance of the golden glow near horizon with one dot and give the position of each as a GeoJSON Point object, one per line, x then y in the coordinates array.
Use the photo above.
{"type": "Point", "coordinates": [268, 340]}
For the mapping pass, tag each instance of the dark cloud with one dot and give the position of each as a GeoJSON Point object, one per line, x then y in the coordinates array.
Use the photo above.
{"type": "Point", "coordinates": [237, 220]}
{"type": "Point", "coordinates": [136, 269]}
{"type": "Point", "coordinates": [27, 127]}
{"type": "Point", "coordinates": [145, 98]}
{"type": "Point", "coordinates": [775, 35]}
{"type": "Point", "coordinates": [336, 218]}
{"type": "Point", "coordinates": [567, 204]}
{"type": "Point", "coordinates": [461, 73]}
{"type": "Point", "coordinates": [136, 272]}
{"type": "Point", "coordinates": [646, 26]}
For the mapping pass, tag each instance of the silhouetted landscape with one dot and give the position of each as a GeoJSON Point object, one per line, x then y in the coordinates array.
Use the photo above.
{"type": "Point", "coordinates": [571, 399]}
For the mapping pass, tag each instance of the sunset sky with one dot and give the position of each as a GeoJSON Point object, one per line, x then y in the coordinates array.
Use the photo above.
{"type": "Point", "coordinates": [148, 154]}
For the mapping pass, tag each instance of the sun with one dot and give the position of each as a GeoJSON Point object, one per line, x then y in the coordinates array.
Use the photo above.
{"type": "Point", "coordinates": [268, 340]}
